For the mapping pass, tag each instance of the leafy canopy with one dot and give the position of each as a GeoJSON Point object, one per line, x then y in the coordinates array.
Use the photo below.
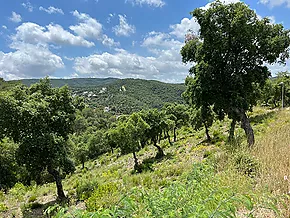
{"type": "Point", "coordinates": [39, 119]}
{"type": "Point", "coordinates": [230, 55]}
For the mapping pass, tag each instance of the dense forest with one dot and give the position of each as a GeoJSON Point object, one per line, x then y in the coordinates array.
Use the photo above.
{"type": "Point", "coordinates": [121, 96]}
{"type": "Point", "coordinates": [139, 148]}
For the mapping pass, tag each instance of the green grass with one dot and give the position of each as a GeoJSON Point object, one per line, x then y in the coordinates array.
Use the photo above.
{"type": "Point", "coordinates": [194, 179]}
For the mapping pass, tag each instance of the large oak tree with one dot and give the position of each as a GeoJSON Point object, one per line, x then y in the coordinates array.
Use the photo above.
{"type": "Point", "coordinates": [39, 119]}
{"type": "Point", "coordinates": [230, 56]}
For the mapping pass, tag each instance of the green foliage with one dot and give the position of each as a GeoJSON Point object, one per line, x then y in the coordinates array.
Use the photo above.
{"type": "Point", "coordinates": [229, 68]}
{"type": "Point", "coordinates": [32, 198]}
{"type": "Point", "coordinates": [178, 114]}
{"type": "Point", "coordinates": [7, 85]}
{"type": "Point", "coordinates": [137, 94]}
{"type": "Point", "coordinates": [202, 193]}
{"type": "Point", "coordinates": [271, 94]}
{"type": "Point", "coordinates": [246, 164]}
{"type": "Point", "coordinates": [8, 164]}
{"type": "Point", "coordinates": [104, 196]}
{"type": "Point", "coordinates": [85, 189]}
{"type": "Point", "coordinates": [39, 119]}
{"type": "Point", "coordinates": [3, 207]}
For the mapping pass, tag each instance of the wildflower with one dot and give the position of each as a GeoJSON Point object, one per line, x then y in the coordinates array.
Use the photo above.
{"type": "Point", "coordinates": [285, 178]}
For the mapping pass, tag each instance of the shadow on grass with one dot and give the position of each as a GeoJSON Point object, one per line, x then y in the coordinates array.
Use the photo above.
{"type": "Point", "coordinates": [260, 118]}
{"type": "Point", "coordinates": [147, 164]}
{"type": "Point", "coordinates": [36, 209]}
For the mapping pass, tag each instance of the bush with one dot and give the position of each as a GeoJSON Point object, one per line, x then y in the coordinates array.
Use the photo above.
{"type": "Point", "coordinates": [246, 164]}
{"type": "Point", "coordinates": [85, 189]}
{"type": "Point", "coordinates": [32, 198]}
{"type": "Point", "coordinates": [3, 207]}
{"type": "Point", "coordinates": [105, 196]}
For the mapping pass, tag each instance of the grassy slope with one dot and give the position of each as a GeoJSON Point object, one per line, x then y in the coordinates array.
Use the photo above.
{"type": "Point", "coordinates": [197, 179]}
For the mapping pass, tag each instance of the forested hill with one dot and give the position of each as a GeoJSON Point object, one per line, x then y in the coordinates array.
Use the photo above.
{"type": "Point", "coordinates": [121, 95]}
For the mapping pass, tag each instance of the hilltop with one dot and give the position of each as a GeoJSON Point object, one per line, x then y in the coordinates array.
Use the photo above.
{"type": "Point", "coordinates": [121, 95]}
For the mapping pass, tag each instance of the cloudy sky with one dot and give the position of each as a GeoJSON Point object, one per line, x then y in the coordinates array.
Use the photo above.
{"type": "Point", "coordinates": [105, 38]}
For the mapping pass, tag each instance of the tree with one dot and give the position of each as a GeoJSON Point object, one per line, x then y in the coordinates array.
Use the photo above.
{"type": "Point", "coordinates": [129, 134]}
{"type": "Point", "coordinates": [154, 119]}
{"type": "Point", "coordinates": [178, 114]}
{"type": "Point", "coordinates": [8, 165]}
{"type": "Point", "coordinates": [230, 53]}
{"type": "Point", "coordinates": [81, 153]}
{"type": "Point", "coordinates": [271, 93]}
{"type": "Point", "coordinates": [40, 119]}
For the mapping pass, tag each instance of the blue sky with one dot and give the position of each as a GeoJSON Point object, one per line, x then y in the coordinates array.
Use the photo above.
{"type": "Point", "coordinates": [105, 38]}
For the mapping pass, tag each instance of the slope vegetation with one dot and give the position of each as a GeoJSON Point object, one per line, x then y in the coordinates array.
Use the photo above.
{"type": "Point", "coordinates": [194, 179]}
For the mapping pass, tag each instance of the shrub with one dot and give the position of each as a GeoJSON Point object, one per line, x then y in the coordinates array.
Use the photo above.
{"type": "Point", "coordinates": [32, 198]}
{"type": "Point", "coordinates": [105, 196]}
{"type": "Point", "coordinates": [3, 207]}
{"type": "Point", "coordinates": [246, 164]}
{"type": "Point", "coordinates": [85, 189]}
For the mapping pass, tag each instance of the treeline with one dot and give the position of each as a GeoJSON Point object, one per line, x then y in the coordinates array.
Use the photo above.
{"type": "Point", "coordinates": [274, 88]}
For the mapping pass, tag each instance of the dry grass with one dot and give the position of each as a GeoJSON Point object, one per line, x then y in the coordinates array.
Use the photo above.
{"type": "Point", "coordinates": [272, 152]}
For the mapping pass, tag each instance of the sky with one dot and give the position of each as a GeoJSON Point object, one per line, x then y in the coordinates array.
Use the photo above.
{"type": "Point", "coordinates": [106, 38]}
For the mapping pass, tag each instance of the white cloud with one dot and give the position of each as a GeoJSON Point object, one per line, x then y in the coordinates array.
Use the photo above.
{"type": "Point", "coordinates": [124, 64]}
{"type": "Point", "coordinates": [109, 41]}
{"type": "Point", "coordinates": [179, 30]}
{"type": "Point", "coordinates": [90, 28]}
{"type": "Point", "coordinates": [275, 3]}
{"type": "Point", "coordinates": [16, 18]}
{"type": "Point", "coordinates": [161, 40]}
{"type": "Point", "coordinates": [4, 27]}
{"type": "Point", "coordinates": [28, 6]}
{"type": "Point", "coordinates": [152, 3]}
{"type": "Point", "coordinates": [29, 61]}
{"type": "Point", "coordinates": [123, 29]}
{"type": "Point", "coordinates": [53, 33]}
{"type": "Point", "coordinates": [222, 1]}
{"type": "Point", "coordinates": [51, 10]}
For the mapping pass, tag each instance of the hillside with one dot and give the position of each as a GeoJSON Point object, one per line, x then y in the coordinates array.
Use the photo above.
{"type": "Point", "coordinates": [121, 95]}
{"type": "Point", "coordinates": [194, 179]}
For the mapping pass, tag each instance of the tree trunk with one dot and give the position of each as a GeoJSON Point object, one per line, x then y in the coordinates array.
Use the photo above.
{"type": "Point", "coordinates": [174, 134]}
{"type": "Point", "coordinates": [168, 137]}
{"type": "Point", "coordinates": [57, 178]}
{"type": "Point", "coordinates": [160, 152]}
{"type": "Point", "coordinates": [83, 163]}
{"type": "Point", "coordinates": [207, 133]}
{"type": "Point", "coordinates": [245, 124]}
{"type": "Point", "coordinates": [136, 166]}
{"type": "Point", "coordinates": [232, 130]}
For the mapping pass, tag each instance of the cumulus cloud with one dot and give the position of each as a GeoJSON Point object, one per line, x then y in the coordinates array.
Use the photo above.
{"type": "Point", "coordinates": [179, 30]}
{"type": "Point", "coordinates": [124, 64]}
{"type": "Point", "coordinates": [275, 3]}
{"type": "Point", "coordinates": [152, 3]}
{"type": "Point", "coordinates": [161, 40]}
{"type": "Point", "coordinates": [4, 27]}
{"type": "Point", "coordinates": [28, 61]}
{"type": "Point", "coordinates": [123, 29]}
{"type": "Point", "coordinates": [90, 28]}
{"type": "Point", "coordinates": [16, 18]}
{"type": "Point", "coordinates": [52, 33]}
{"type": "Point", "coordinates": [51, 10]}
{"type": "Point", "coordinates": [28, 6]}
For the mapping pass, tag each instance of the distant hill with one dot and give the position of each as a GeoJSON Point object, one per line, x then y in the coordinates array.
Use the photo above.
{"type": "Point", "coordinates": [121, 95]}
{"type": "Point", "coordinates": [78, 82]}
